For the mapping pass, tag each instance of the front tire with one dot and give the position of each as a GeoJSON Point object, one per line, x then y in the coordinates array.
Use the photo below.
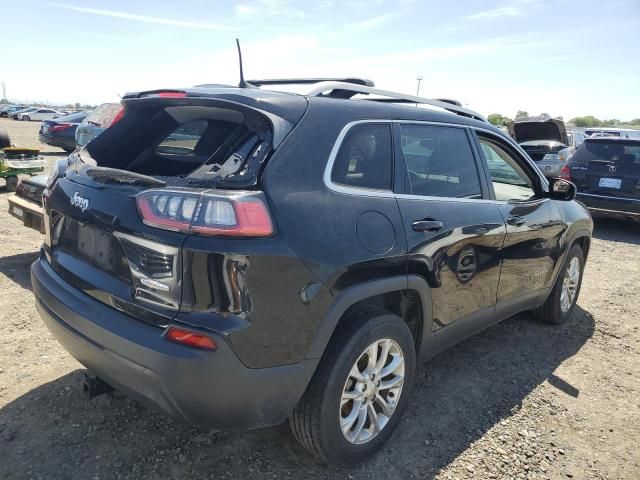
{"type": "Point", "coordinates": [561, 302]}
{"type": "Point", "coordinates": [26, 118]}
{"type": "Point", "coordinates": [360, 389]}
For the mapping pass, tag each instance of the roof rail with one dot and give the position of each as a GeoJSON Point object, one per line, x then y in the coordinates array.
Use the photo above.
{"type": "Point", "coordinates": [309, 81]}
{"type": "Point", "coordinates": [392, 97]}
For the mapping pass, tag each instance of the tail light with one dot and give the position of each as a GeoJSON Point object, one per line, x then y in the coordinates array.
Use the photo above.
{"type": "Point", "coordinates": [164, 94]}
{"type": "Point", "coordinates": [565, 173]}
{"type": "Point", "coordinates": [118, 117]}
{"type": "Point", "coordinates": [226, 214]}
{"type": "Point", "coordinates": [60, 127]}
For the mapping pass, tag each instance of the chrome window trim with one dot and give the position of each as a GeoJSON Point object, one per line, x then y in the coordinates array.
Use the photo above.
{"type": "Point", "coordinates": [370, 192]}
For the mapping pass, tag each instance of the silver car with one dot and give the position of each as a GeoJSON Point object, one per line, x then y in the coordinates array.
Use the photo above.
{"type": "Point", "coordinates": [544, 141]}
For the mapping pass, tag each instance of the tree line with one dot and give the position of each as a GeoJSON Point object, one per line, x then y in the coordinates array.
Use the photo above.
{"type": "Point", "coordinates": [588, 121]}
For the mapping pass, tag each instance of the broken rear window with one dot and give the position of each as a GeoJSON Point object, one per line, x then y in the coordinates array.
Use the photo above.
{"type": "Point", "coordinates": [185, 144]}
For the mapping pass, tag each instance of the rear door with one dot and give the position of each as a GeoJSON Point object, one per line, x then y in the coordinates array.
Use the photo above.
{"type": "Point", "coordinates": [454, 232]}
{"type": "Point", "coordinates": [534, 226]}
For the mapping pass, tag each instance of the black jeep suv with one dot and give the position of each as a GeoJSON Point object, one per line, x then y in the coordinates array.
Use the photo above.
{"type": "Point", "coordinates": [237, 256]}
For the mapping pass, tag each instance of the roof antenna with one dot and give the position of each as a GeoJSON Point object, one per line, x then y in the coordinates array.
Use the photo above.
{"type": "Point", "coordinates": [242, 83]}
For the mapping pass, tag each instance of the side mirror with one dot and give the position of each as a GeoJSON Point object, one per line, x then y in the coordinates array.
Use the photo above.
{"type": "Point", "coordinates": [561, 189]}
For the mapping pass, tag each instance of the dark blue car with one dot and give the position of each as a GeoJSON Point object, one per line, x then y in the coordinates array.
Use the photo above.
{"type": "Point", "coordinates": [61, 132]}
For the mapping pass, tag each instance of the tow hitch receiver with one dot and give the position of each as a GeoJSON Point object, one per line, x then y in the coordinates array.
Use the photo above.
{"type": "Point", "coordinates": [94, 386]}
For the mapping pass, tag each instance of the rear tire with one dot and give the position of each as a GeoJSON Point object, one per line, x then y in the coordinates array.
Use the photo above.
{"type": "Point", "coordinates": [559, 306]}
{"type": "Point", "coordinates": [12, 183]}
{"type": "Point", "coordinates": [5, 141]}
{"type": "Point", "coordinates": [353, 394]}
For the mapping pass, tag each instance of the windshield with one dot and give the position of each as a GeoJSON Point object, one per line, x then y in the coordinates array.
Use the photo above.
{"type": "Point", "coordinates": [626, 152]}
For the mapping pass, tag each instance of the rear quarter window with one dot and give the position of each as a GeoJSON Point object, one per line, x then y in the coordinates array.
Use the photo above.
{"type": "Point", "coordinates": [365, 158]}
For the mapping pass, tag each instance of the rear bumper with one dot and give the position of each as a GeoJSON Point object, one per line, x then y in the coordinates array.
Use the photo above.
{"type": "Point", "coordinates": [30, 213]}
{"type": "Point", "coordinates": [611, 206]}
{"type": "Point", "coordinates": [204, 388]}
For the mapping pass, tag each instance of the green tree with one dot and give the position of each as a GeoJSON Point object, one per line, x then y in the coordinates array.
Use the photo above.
{"type": "Point", "coordinates": [521, 115]}
{"type": "Point", "coordinates": [498, 119]}
{"type": "Point", "coordinates": [586, 122]}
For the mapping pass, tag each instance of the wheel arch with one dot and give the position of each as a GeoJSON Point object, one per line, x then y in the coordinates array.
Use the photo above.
{"type": "Point", "coordinates": [407, 296]}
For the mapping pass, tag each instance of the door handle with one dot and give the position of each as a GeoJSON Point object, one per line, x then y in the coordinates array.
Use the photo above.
{"type": "Point", "coordinates": [427, 225]}
{"type": "Point", "coordinates": [516, 221]}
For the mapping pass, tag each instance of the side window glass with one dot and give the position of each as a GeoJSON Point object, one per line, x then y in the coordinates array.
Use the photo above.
{"type": "Point", "coordinates": [510, 181]}
{"type": "Point", "coordinates": [439, 161]}
{"type": "Point", "coordinates": [183, 140]}
{"type": "Point", "coordinates": [365, 159]}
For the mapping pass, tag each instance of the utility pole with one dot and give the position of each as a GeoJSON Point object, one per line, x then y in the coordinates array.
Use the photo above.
{"type": "Point", "coordinates": [4, 90]}
{"type": "Point", "coordinates": [419, 79]}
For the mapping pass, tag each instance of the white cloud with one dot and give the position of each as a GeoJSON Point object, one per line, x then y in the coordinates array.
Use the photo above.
{"type": "Point", "coordinates": [270, 8]}
{"type": "Point", "coordinates": [140, 18]}
{"type": "Point", "coordinates": [371, 23]}
{"type": "Point", "coordinates": [514, 9]}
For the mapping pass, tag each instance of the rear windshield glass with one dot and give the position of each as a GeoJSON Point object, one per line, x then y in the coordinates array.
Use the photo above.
{"type": "Point", "coordinates": [192, 142]}
{"type": "Point", "coordinates": [614, 151]}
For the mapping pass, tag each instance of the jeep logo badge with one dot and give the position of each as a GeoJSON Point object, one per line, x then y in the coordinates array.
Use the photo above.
{"type": "Point", "coordinates": [80, 202]}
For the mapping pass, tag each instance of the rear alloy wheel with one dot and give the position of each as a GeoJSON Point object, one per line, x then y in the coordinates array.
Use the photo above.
{"type": "Point", "coordinates": [562, 300]}
{"type": "Point", "coordinates": [372, 390]}
{"type": "Point", "coordinates": [359, 390]}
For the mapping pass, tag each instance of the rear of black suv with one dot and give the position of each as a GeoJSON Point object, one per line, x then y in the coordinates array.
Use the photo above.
{"type": "Point", "coordinates": [237, 256]}
{"type": "Point", "coordinates": [606, 171]}
{"type": "Point", "coordinates": [160, 254]}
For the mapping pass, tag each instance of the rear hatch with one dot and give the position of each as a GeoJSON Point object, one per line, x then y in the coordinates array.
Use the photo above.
{"type": "Point", "coordinates": [608, 167]}
{"type": "Point", "coordinates": [540, 138]}
{"type": "Point", "coordinates": [120, 211]}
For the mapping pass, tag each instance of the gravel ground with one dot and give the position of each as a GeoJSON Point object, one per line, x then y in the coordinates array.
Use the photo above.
{"type": "Point", "coordinates": [521, 400]}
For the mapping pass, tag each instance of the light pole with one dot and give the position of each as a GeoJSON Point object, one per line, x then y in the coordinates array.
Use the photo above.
{"type": "Point", "coordinates": [419, 79]}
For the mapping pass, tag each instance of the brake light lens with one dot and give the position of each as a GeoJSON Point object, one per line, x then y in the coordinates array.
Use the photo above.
{"type": "Point", "coordinates": [226, 214]}
{"type": "Point", "coordinates": [190, 339]}
{"type": "Point", "coordinates": [565, 173]}
{"type": "Point", "coordinates": [61, 127]}
{"type": "Point", "coordinates": [164, 94]}
{"type": "Point", "coordinates": [118, 117]}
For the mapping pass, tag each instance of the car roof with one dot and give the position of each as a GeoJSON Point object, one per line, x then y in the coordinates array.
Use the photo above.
{"type": "Point", "coordinates": [287, 105]}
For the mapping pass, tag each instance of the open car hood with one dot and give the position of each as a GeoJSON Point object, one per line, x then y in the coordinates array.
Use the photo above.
{"type": "Point", "coordinates": [536, 130]}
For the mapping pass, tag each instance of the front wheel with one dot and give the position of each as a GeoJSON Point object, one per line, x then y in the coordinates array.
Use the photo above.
{"type": "Point", "coordinates": [26, 118]}
{"type": "Point", "coordinates": [360, 389]}
{"type": "Point", "coordinates": [562, 300]}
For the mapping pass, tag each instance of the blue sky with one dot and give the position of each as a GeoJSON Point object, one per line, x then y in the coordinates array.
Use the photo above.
{"type": "Point", "coordinates": [561, 57]}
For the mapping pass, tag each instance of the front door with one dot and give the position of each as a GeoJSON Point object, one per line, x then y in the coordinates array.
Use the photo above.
{"type": "Point", "coordinates": [454, 231]}
{"type": "Point", "coordinates": [532, 247]}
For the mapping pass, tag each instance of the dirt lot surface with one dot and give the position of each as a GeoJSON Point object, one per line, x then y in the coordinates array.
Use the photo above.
{"type": "Point", "coordinates": [520, 400]}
